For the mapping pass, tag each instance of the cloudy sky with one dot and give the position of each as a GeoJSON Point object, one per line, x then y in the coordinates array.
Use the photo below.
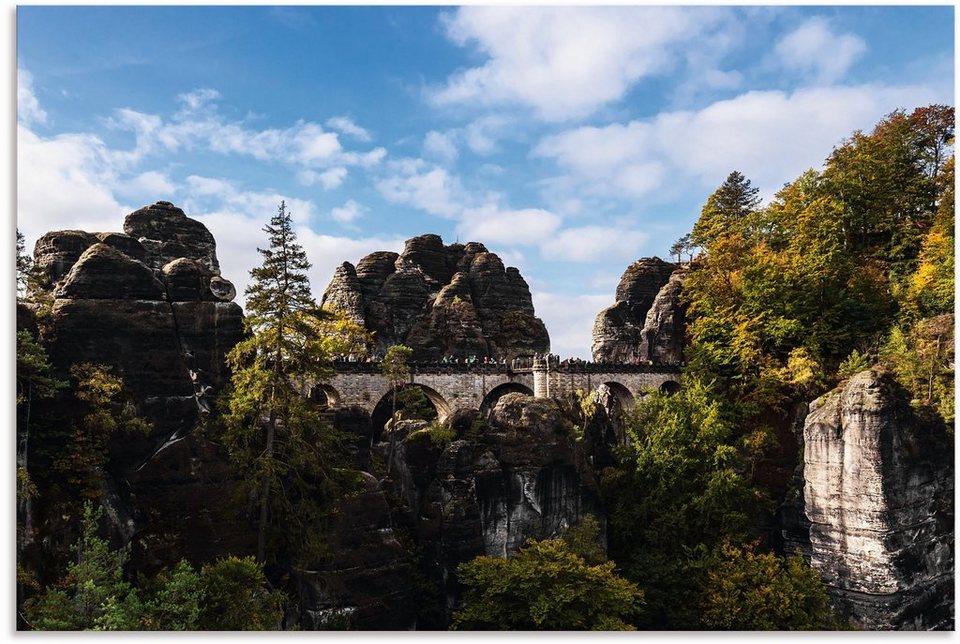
{"type": "Point", "coordinates": [570, 141]}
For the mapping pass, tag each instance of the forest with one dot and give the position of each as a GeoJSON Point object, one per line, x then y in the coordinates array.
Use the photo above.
{"type": "Point", "coordinates": [845, 269]}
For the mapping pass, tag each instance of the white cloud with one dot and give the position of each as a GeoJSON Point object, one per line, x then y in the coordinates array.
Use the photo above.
{"type": "Point", "coordinates": [593, 243]}
{"type": "Point", "coordinates": [198, 98]}
{"type": "Point", "coordinates": [441, 146]}
{"type": "Point", "coordinates": [348, 212]}
{"type": "Point", "coordinates": [64, 182]}
{"type": "Point", "coordinates": [564, 62]}
{"type": "Point", "coordinates": [816, 50]}
{"type": "Point", "coordinates": [569, 320]}
{"type": "Point", "coordinates": [29, 111]}
{"type": "Point", "coordinates": [488, 223]}
{"type": "Point", "coordinates": [346, 126]}
{"type": "Point", "coordinates": [329, 179]}
{"type": "Point", "coordinates": [152, 185]}
{"type": "Point", "coordinates": [429, 188]}
{"type": "Point", "coordinates": [770, 136]}
{"type": "Point", "coordinates": [210, 194]}
{"type": "Point", "coordinates": [483, 133]}
{"type": "Point", "coordinates": [198, 124]}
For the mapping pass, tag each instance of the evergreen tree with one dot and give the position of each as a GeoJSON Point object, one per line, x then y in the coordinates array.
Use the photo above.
{"type": "Point", "coordinates": [725, 209]}
{"type": "Point", "coordinates": [24, 265]}
{"type": "Point", "coordinates": [283, 452]}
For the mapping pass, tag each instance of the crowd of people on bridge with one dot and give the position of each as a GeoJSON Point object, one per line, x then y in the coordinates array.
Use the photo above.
{"type": "Point", "coordinates": [520, 362]}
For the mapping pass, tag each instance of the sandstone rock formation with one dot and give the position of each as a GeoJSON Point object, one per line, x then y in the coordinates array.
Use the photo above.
{"type": "Point", "coordinates": [523, 476]}
{"type": "Point", "coordinates": [456, 300]}
{"type": "Point", "coordinates": [647, 321]}
{"type": "Point", "coordinates": [144, 304]}
{"type": "Point", "coordinates": [879, 497]}
{"type": "Point", "coordinates": [366, 583]}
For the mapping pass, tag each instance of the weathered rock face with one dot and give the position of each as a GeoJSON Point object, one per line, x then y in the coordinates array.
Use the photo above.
{"type": "Point", "coordinates": [456, 300]}
{"type": "Point", "coordinates": [367, 582]}
{"type": "Point", "coordinates": [664, 328]}
{"type": "Point", "coordinates": [168, 234]}
{"type": "Point", "coordinates": [130, 301]}
{"type": "Point", "coordinates": [523, 477]}
{"type": "Point", "coordinates": [647, 321]}
{"type": "Point", "coordinates": [879, 497]}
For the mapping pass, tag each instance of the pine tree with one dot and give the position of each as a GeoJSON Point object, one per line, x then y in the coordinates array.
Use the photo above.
{"type": "Point", "coordinates": [24, 265]}
{"type": "Point", "coordinates": [729, 206]}
{"type": "Point", "coordinates": [283, 452]}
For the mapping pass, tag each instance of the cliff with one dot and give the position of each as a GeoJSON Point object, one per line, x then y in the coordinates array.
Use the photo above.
{"type": "Point", "coordinates": [455, 300]}
{"type": "Point", "coordinates": [648, 319]}
{"type": "Point", "coordinates": [151, 304]}
{"type": "Point", "coordinates": [879, 497]}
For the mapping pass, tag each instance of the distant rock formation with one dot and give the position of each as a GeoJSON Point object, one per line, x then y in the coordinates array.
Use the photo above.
{"type": "Point", "coordinates": [879, 497]}
{"type": "Point", "coordinates": [648, 319]}
{"type": "Point", "coordinates": [457, 300]}
{"type": "Point", "coordinates": [150, 303]}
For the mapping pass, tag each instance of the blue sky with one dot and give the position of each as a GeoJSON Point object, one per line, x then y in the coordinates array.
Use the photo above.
{"type": "Point", "coordinates": [570, 141]}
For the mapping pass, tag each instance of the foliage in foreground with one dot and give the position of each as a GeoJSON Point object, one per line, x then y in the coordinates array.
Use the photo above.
{"type": "Point", "coordinates": [749, 591]}
{"type": "Point", "coordinates": [545, 586]}
{"type": "Point", "coordinates": [231, 594]}
{"type": "Point", "coordinates": [679, 492]}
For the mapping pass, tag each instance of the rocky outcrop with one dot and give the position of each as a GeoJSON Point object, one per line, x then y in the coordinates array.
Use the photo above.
{"type": "Point", "coordinates": [879, 497]}
{"type": "Point", "coordinates": [366, 582]}
{"type": "Point", "coordinates": [166, 234]}
{"type": "Point", "coordinates": [521, 476]}
{"type": "Point", "coordinates": [664, 328]}
{"type": "Point", "coordinates": [151, 305]}
{"type": "Point", "coordinates": [457, 300]}
{"type": "Point", "coordinates": [647, 320]}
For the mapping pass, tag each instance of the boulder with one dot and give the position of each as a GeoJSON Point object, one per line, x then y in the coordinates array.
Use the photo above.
{"type": "Point", "coordinates": [104, 273]}
{"type": "Point", "coordinates": [878, 494]}
{"type": "Point", "coordinates": [168, 234]}
{"type": "Point", "coordinates": [56, 252]}
{"type": "Point", "coordinates": [186, 280]}
{"type": "Point", "coordinates": [222, 289]}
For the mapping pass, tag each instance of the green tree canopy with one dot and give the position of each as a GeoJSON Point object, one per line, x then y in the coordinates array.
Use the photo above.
{"type": "Point", "coordinates": [545, 586]}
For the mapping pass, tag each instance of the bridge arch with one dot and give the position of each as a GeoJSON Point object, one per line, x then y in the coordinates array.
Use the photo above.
{"type": "Point", "coordinates": [670, 387]}
{"type": "Point", "coordinates": [499, 392]}
{"type": "Point", "coordinates": [383, 410]}
{"type": "Point", "coordinates": [624, 397]}
{"type": "Point", "coordinates": [325, 395]}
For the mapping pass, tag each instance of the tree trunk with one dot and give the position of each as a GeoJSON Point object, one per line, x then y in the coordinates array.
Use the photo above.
{"type": "Point", "coordinates": [265, 490]}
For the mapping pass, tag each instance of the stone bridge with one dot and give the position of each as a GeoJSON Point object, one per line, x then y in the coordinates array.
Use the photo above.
{"type": "Point", "coordinates": [452, 387]}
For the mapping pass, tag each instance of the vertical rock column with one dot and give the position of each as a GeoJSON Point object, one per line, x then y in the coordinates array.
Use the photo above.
{"type": "Point", "coordinates": [879, 496]}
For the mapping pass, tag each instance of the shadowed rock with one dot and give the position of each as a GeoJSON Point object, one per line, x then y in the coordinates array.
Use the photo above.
{"type": "Point", "coordinates": [168, 234]}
